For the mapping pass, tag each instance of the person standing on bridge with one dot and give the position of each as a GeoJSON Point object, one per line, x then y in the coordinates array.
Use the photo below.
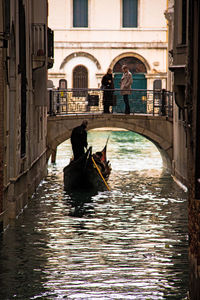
{"type": "Point", "coordinates": [79, 140]}
{"type": "Point", "coordinates": [107, 84]}
{"type": "Point", "coordinates": [125, 86]}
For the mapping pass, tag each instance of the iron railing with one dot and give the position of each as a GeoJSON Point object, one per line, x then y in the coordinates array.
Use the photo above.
{"type": "Point", "coordinates": [90, 101]}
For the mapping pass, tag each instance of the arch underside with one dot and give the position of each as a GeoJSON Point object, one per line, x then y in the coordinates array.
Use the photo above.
{"type": "Point", "coordinates": [163, 144]}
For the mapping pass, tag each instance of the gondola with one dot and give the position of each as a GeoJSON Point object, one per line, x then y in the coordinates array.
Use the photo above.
{"type": "Point", "coordinates": [89, 172]}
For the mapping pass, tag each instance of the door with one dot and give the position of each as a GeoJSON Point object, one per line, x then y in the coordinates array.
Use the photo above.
{"type": "Point", "coordinates": [137, 99]}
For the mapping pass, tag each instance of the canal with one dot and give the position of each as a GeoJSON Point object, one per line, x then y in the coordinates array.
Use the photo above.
{"type": "Point", "coordinates": [127, 243]}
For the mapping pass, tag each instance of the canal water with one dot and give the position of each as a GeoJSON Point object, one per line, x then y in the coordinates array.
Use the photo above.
{"type": "Point", "coordinates": [127, 243]}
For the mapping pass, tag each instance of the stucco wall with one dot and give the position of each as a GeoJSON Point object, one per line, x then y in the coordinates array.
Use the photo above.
{"type": "Point", "coordinates": [106, 39]}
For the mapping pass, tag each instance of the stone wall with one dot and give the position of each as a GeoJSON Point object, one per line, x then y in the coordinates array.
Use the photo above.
{"type": "Point", "coordinates": [1, 129]}
{"type": "Point", "coordinates": [23, 118]}
{"type": "Point", "coordinates": [155, 128]}
{"type": "Point", "coordinates": [1, 115]}
{"type": "Point", "coordinates": [193, 144]}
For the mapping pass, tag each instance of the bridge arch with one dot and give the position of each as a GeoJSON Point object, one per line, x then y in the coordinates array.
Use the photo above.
{"type": "Point", "coordinates": [156, 129]}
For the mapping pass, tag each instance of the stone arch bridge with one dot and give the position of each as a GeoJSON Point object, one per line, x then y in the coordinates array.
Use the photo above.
{"type": "Point", "coordinates": [157, 129]}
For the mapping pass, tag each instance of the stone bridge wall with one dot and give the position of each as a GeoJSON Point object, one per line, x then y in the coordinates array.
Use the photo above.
{"type": "Point", "coordinates": [157, 129]}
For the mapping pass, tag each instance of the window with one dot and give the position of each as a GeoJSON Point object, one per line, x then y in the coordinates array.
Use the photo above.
{"type": "Point", "coordinates": [80, 13]}
{"type": "Point", "coordinates": [80, 80]}
{"type": "Point", "coordinates": [184, 20]}
{"type": "Point", "coordinates": [181, 21]}
{"type": "Point", "coordinates": [130, 13]}
{"type": "Point", "coordinates": [134, 64]}
{"type": "Point", "coordinates": [22, 70]}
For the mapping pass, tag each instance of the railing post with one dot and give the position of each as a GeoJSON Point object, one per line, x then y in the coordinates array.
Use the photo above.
{"type": "Point", "coordinates": [58, 102]}
{"type": "Point", "coordinates": [153, 103]}
{"type": "Point", "coordinates": [163, 102]}
{"type": "Point", "coordinates": [170, 104]}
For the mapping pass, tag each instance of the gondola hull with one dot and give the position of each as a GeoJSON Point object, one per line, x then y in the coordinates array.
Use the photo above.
{"type": "Point", "coordinates": [82, 174]}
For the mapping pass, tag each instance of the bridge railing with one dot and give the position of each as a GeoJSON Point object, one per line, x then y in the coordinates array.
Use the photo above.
{"type": "Point", "coordinates": [90, 101]}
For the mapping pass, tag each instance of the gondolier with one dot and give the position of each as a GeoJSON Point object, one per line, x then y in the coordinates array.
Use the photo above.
{"type": "Point", "coordinates": [89, 172]}
{"type": "Point", "coordinates": [79, 140]}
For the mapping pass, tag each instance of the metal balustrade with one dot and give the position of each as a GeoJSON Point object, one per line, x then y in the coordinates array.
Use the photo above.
{"type": "Point", "coordinates": [90, 101]}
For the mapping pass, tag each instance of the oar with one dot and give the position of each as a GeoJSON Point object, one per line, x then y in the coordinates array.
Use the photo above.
{"type": "Point", "coordinates": [101, 174]}
{"type": "Point", "coordinates": [107, 139]}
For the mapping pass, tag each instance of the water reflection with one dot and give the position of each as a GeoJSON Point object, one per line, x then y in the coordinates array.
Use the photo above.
{"type": "Point", "coordinates": [80, 204]}
{"type": "Point", "coordinates": [130, 243]}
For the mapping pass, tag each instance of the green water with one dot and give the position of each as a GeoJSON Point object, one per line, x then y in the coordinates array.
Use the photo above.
{"type": "Point", "coordinates": [129, 243]}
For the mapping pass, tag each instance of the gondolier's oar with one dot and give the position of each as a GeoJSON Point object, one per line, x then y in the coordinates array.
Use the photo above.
{"type": "Point", "coordinates": [100, 174]}
{"type": "Point", "coordinates": [107, 139]}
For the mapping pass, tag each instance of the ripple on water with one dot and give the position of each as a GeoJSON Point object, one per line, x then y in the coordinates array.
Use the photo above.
{"type": "Point", "coordinates": [130, 243]}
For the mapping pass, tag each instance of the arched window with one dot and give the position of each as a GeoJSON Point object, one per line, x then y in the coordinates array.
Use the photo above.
{"type": "Point", "coordinates": [134, 64]}
{"type": "Point", "coordinates": [80, 80]}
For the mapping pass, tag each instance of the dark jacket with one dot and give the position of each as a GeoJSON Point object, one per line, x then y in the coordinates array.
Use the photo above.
{"type": "Point", "coordinates": [107, 83]}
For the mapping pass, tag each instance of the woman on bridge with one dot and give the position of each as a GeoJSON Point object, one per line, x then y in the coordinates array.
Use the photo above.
{"type": "Point", "coordinates": [107, 84]}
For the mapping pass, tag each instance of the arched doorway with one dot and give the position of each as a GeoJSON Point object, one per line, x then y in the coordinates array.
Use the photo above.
{"type": "Point", "coordinates": [80, 80]}
{"type": "Point", "coordinates": [138, 70]}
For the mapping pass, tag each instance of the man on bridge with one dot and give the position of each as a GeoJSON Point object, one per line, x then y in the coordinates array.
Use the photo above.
{"type": "Point", "coordinates": [79, 140]}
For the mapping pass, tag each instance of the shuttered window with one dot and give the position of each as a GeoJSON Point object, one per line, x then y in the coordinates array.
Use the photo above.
{"type": "Point", "coordinates": [80, 81]}
{"type": "Point", "coordinates": [80, 13]}
{"type": "Point", "coordinates": [184, 21]}
{"type": "Point", "coordinates": [130, 13]}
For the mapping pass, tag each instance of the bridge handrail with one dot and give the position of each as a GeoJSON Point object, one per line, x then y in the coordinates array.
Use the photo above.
{"type": "Point", "coordinates": [103, 89]}
{"type": "Point", "coordinates": [90, 100]}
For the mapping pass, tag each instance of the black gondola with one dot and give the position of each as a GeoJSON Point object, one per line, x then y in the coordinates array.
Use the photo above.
{"type": "Point", "coordinates": [90, 171]}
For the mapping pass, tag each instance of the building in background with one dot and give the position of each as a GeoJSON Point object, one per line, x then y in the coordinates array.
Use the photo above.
{"type": "Point", "coordinates": [26, 51]}
{"type": "Point", "coordinates": [91, 36]}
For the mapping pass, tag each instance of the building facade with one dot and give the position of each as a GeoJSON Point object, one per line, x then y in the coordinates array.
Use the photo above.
{"type": "Point", "coordinates": [185, 67]}
{"type": "Point", "coordinates": [178, 58]}
{"type": "Point", "coordinates": [91, 35]}
{"type": "Point", "coordinates": [192, 110]}
{"type": "Point", "coordinates": [25, 55]}
{"type": "Point", "coordinates": [2, 84]}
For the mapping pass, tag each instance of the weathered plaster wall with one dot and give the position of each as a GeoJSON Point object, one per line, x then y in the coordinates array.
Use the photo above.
{"type": "Point", "coordinates": [106, 39]}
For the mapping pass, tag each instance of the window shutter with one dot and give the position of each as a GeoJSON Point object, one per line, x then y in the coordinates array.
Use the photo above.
{"type": "Point", "coordinates": [130, 12]}
{"type": "Point", "coordinates": [80, 80]}
{"type": "Point", "coordinates": [80, 13]}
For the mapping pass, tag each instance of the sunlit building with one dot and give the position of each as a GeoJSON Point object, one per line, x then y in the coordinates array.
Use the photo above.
{"type": "Point", "coordinates": [91, 36]}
